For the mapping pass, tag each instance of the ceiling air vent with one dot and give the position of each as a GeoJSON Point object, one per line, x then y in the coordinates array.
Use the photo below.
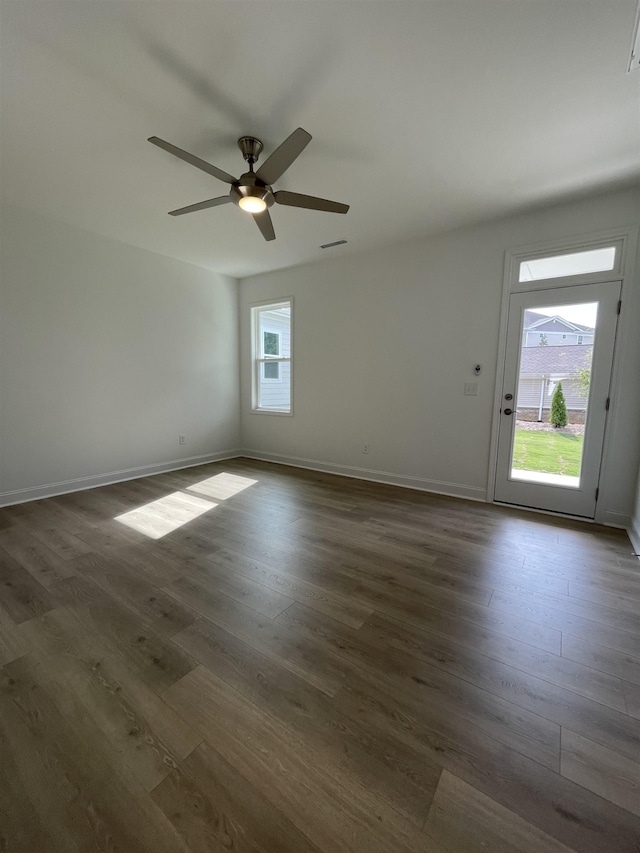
{"type": "Point", "coordinates": [331, 245]}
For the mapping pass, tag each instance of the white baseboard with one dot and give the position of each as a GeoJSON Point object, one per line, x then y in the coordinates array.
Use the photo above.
{"type": "Point", "coordinates": [79, 484]}
{"type": "Point", "coordinates": [440, 487]}
{"type": "Point", "coordinates": [613, 519]}
{"type": "Point", "coordinates": [422, 484]}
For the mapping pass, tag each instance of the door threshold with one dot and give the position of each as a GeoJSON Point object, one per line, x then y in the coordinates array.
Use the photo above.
{"type": "Point", "coordinates": [584, 518]}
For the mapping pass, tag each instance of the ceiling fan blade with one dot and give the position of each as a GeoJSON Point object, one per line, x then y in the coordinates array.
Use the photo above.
{"type": "Point", "coordinates": [201, 205]}
{"type": "Point", "coordinates": [264, 223]}
{"type": "Point", "coordinates": [192, 160]}
{"type": "Point", "coordinates": [279, 161]}
{"type": "Point", "coordinates": [309, 201]}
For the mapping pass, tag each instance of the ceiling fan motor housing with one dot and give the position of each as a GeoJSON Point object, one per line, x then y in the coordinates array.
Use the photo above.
{"type": "Point", "coordinates": [250, 186]}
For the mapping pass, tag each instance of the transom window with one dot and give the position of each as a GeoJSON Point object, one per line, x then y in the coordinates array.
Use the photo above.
{"type": "Point", "coordinates": [572, 263]}
{"type": "Point", "coordinates": [271, 356]}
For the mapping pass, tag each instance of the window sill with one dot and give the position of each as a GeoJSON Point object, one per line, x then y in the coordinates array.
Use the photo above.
{"type": "Point", "coordinates": [281, 414]}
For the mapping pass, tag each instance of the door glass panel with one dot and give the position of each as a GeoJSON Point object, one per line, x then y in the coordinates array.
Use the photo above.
{"type": "Point", "coordinates": [553, 393]}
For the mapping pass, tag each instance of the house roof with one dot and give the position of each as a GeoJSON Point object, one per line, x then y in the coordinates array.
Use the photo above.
{"type": "Point", "coordinates": [554, 360]}
{"type": "Point", "coordinates": [425, 116]}
{"type": "Point", "coordinates": [532, 319]}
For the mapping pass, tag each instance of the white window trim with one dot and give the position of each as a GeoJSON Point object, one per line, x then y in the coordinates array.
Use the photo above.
{"type": "Point", "coordinates": [258, 360]}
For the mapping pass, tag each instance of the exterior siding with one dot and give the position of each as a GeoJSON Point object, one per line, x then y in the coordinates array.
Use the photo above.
{"type": "Point", "coordinates": [529, 392]}
{"type": "Point", "coordinates": [553, 329]}
{"type": "Point", "coordinates": [532, 338]}
{"type": "Point", "coordinates": [528, 398]}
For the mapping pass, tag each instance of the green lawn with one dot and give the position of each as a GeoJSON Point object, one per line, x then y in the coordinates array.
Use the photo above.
{"type": "Point", "coordinates": [550, 452]}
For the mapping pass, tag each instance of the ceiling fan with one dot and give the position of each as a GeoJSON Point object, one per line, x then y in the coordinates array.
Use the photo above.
{"type": "Point", "coordinates": [253, 191]}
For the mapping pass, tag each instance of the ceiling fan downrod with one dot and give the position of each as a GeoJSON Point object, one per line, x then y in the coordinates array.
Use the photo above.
{"type": "Point", "coordinates": [251, 148]}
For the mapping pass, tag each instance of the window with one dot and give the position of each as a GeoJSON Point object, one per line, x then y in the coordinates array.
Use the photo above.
{"type": "Point", "coordinates": [271, 370]}
{"type": "Point", "coordinates": [271, 346]}
{"type": "Point", "coordinates": [271, 343]}
{"type": "Point", "coordinates": [573, 263]}
{"type": "Point", "coordinates": [579, 339]}
{"type": "Point", "coordinates": [271, 357]}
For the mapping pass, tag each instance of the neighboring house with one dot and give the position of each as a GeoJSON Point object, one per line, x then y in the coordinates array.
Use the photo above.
{"type": "Point", "coordinates": [554, 331]}
{"type": "Point", "coordinates": [541, 368]}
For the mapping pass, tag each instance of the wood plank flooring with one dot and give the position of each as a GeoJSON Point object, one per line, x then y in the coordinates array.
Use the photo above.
{"type": "Point", "coordinates": [252, 658]}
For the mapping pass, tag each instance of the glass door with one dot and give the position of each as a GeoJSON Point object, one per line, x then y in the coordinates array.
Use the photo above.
{"type": "Point", "coordinates": [555, 397]}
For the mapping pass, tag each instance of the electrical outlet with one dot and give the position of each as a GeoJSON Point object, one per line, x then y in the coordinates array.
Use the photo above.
{"type": "Point", "coordinates": [182, 439]}
{"type": "Point", "coordinates": [365, 447]}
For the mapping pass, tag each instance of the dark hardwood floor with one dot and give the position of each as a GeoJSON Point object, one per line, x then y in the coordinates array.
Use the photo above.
{"type": "Point", "coordinates": [252, 658]}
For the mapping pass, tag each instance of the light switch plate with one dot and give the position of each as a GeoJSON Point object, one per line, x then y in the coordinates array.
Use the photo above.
{"type": "Point", "coordinates": [470, 389]}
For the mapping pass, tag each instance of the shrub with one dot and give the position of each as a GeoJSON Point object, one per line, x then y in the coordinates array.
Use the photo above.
{"type": "Point", "coordinates": [558, 415]}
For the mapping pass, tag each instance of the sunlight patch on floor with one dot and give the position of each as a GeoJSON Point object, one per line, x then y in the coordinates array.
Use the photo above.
{"type": "Point", "coordinates": [165, 515]}
{"type": "Point", "coordinates": [222, 486]}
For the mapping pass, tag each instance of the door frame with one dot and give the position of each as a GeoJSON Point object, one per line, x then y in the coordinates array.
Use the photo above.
{"type": "Point", "coordinates": [624, 238]}
{"type": "Point", "coordinates": [578, 498]}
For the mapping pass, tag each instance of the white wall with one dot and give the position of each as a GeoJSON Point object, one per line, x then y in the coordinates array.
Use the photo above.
{"type": "Point", "coordinates": [107, 353]}
{"type": "Point", "coordinates": [375, 359]}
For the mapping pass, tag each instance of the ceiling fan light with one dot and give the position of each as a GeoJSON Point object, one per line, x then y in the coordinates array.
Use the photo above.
{"type": "Point", "coordinates": [252, 204]}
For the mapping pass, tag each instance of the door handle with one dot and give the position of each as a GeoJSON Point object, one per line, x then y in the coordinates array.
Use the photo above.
{"type": "Point", "coordinates": [507, 411]}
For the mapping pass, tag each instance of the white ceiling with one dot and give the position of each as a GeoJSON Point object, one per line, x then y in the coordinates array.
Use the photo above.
{"type": "Point", "coordinates": [424, 115]}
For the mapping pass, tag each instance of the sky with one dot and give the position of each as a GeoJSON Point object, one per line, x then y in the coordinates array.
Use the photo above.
{"type": "Point", "coordinates": [584, 313]}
